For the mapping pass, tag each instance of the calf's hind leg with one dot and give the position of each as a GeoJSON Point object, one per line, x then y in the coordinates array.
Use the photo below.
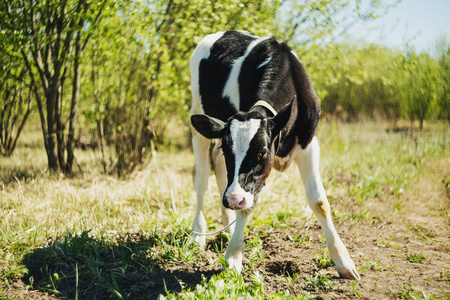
{"type": "Point", "coordinates": [308, 163]}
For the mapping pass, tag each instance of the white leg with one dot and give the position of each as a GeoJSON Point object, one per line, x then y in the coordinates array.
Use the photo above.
{"type": "Point", "coordinates": [308, 164]}
{"type": "Point", "coordinates": [220, 170]}
{"type": "Point", "coordinates": [235, 249]}
{"type": "Point", "coordinates": [201, 170]}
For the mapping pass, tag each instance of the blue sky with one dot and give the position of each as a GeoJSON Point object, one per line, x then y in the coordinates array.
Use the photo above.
{"type": "Point", "coordinates": [417, 22]}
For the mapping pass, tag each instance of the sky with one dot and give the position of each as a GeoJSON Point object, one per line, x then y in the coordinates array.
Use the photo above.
{"type": "Point", "coordinates": [416, 22]}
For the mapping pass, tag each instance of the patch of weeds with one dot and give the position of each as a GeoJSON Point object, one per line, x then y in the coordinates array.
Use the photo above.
{"type": "Point", "coordinates": [322, 239]}
{"type": "Point", "coordinates": [280, 220]}
{"type": "Point", "coordinates": [263, 223]}
{"type": "Point", "coordinates": [398, 207]}
{"type": "Point", "coordinates": [354, 288]}
{"type": "Point", "coordinates": [444, 276]}
{"type": "Point", "coordinates": [416, 258]}
{"type": "Point", "coordinates": [291, 280]}
{"type": "Point", "coordinates": [226, 285]}
{"type": "Point", "coordinates": [408, 293]}
{"type": "Point", "coordinates": [359, 216]}
{"type": "Point", "coordinates": [323, 260]}
{"type": "Point", "coordinates": [368, 188]}
{"type": "Point", "coordinates": [8, 274]}
{"type": "Point", "coordinates": [319, 282]}
{"type": "Point", "coordinates": [383, 243]}
{"type": "Point", "coordinates": [302, 241]}
{"type": "Point", "coordinates": [255, 253]}
{"type": "Point", "coordinates": [371, 265]}
{"type": "Point", "coordinates": [421, 231]}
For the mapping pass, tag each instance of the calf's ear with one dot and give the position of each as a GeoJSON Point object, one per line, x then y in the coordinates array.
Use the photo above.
{"type": "Point", "coordinates": [284, 117]}
{"type": "Point", "coordinates": [209, 127]}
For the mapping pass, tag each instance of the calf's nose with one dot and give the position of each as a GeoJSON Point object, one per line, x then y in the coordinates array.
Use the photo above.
{"type": "Point", "coordinates": [234, 201]}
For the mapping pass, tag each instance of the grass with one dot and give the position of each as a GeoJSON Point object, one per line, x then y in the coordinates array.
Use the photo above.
{"type": "Point", "coordinates": [408, 293]}
{"type": "Point", "coordinates": [418, 258]}
{"type": "Point", "coordinates": [319, 282]}
{"type": "Point", "coordinates": [96, 235]}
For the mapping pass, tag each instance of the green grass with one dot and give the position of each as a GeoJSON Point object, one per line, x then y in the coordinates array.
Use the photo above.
{"type": "Point", "coordinates": [319, 282]}
{"type": "Point", "coordinates": [408, 293]}
{"type": "Point", "coordinates": [416, 258]}
{"type": "Point", "coordinates": [95, 234]}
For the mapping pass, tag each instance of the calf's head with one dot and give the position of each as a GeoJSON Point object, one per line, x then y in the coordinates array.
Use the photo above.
{"type": "Point", "coordinates": [248, 145]}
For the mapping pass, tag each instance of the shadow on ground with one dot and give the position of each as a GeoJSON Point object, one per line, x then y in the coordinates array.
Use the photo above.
{"type": "Point", "coordinates": [94, 269]}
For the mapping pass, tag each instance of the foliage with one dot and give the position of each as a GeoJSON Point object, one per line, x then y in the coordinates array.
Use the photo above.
{"type": "Point", "coordinates": [47, 34]}
{"type": "Point", "coordinates": [416, 258]}
{"type": "Point", "coordinates": [15, 100]}
{"type": "Point", "coordinates": [319, 282]}
{"type": "Point", "coordinates": [375, 82]}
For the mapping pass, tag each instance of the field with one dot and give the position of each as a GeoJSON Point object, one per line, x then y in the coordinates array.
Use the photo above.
{"type": "Point", "coordinates": [98, 237]}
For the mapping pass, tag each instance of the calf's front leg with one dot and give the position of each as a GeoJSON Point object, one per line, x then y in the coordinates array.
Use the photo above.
{"type": "Point", "coordinates": [308, 163]}
{"type": "Point", "coordinates": [201, 174]}
{"type": "Point", "coordinates": [235, 249]}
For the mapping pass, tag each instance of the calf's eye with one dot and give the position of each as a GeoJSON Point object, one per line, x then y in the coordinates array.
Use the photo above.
{"type": "Point", "coordinates": [262, 154]}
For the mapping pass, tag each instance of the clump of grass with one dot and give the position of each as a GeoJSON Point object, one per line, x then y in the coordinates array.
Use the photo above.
{"type": "Point", "coordinates": [323, 260]}
{"type": "Point", "coordinates": [408, 293]}
{"type": "Point", "coordinates": [354, 288]}
{"type": "Point", "coordinates": [302, 241]}
{"type": "Point", "coordinates": [444, 276]}
{"type": "Point", "coordinates": [254, 251]}
{"type": "Point", "coordinates": [421, 231]}
{"type": "Point", "coordinates": [416, 258]}
{"type": "Point", "coordinates": [389, 243]}
{"type": "Point", "coordinates": [291, 280]}
{"type": "Point", "coordinates": [226, 285]}
{"type": "Point", "coordinates": [319, 282]}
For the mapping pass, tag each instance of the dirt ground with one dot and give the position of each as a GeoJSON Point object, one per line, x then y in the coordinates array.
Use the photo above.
{"type": "Point", "coordinates": [379, 247]}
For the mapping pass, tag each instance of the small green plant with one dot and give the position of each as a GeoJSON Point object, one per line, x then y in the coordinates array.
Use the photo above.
{"type": "Point", "coordinates": [383, 243]}
{"type": "Point", "coordinates": [255, 253]}
{"type": "Point", "coordinates": [319, 282]}
{"type": "Point", "coordinates": [306, 241]}
{"type": "Point", "coordinates": [291, 280]}
{"type": "Point", "coordinates": [444, 276]}
{"type": "Point", "coordinates": [421, 231]}
{"type": "Point", "coordinates": [354, 288]}
{"type": "Point", "coordinates": [323, 260]}
{"type": "Point", "coordinates": [416, 258]}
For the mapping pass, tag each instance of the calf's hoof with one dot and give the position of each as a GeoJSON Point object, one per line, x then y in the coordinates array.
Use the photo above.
{"type": "Point", "coordinates": [347, 269]}
{"type": "Point", "coordinates": [199, 239]}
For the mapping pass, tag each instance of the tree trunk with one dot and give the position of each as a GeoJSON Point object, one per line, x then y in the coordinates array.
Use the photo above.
{"type": "Point", "coordinates": [74, 104]}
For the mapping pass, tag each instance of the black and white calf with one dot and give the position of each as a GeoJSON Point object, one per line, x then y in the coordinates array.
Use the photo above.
{"type": "Point", "coordinates": [254, 96]}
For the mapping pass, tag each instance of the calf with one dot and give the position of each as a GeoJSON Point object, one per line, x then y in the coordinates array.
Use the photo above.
{"type": "Point", "coordinates": [254, 96]}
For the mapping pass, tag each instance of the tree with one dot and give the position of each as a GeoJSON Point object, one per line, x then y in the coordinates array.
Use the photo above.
{"type": "Point", "coordinates": [139, 70]}
{"type": "Point", "coordinates": [15, 102]}
{"type": "Point", "coordinates": [49, 34]}
{"type": "Point", "coordinates": [422, 87]}
{"type": "Point", "coordinates": [443, 52]}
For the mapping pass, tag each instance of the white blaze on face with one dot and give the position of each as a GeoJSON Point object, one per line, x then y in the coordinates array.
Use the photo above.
{"type": "Point", "coordinates": [241, 133]}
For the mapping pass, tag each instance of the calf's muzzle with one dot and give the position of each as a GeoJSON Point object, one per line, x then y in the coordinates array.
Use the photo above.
{"type": "Point", "coordinates": [234, 201]}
